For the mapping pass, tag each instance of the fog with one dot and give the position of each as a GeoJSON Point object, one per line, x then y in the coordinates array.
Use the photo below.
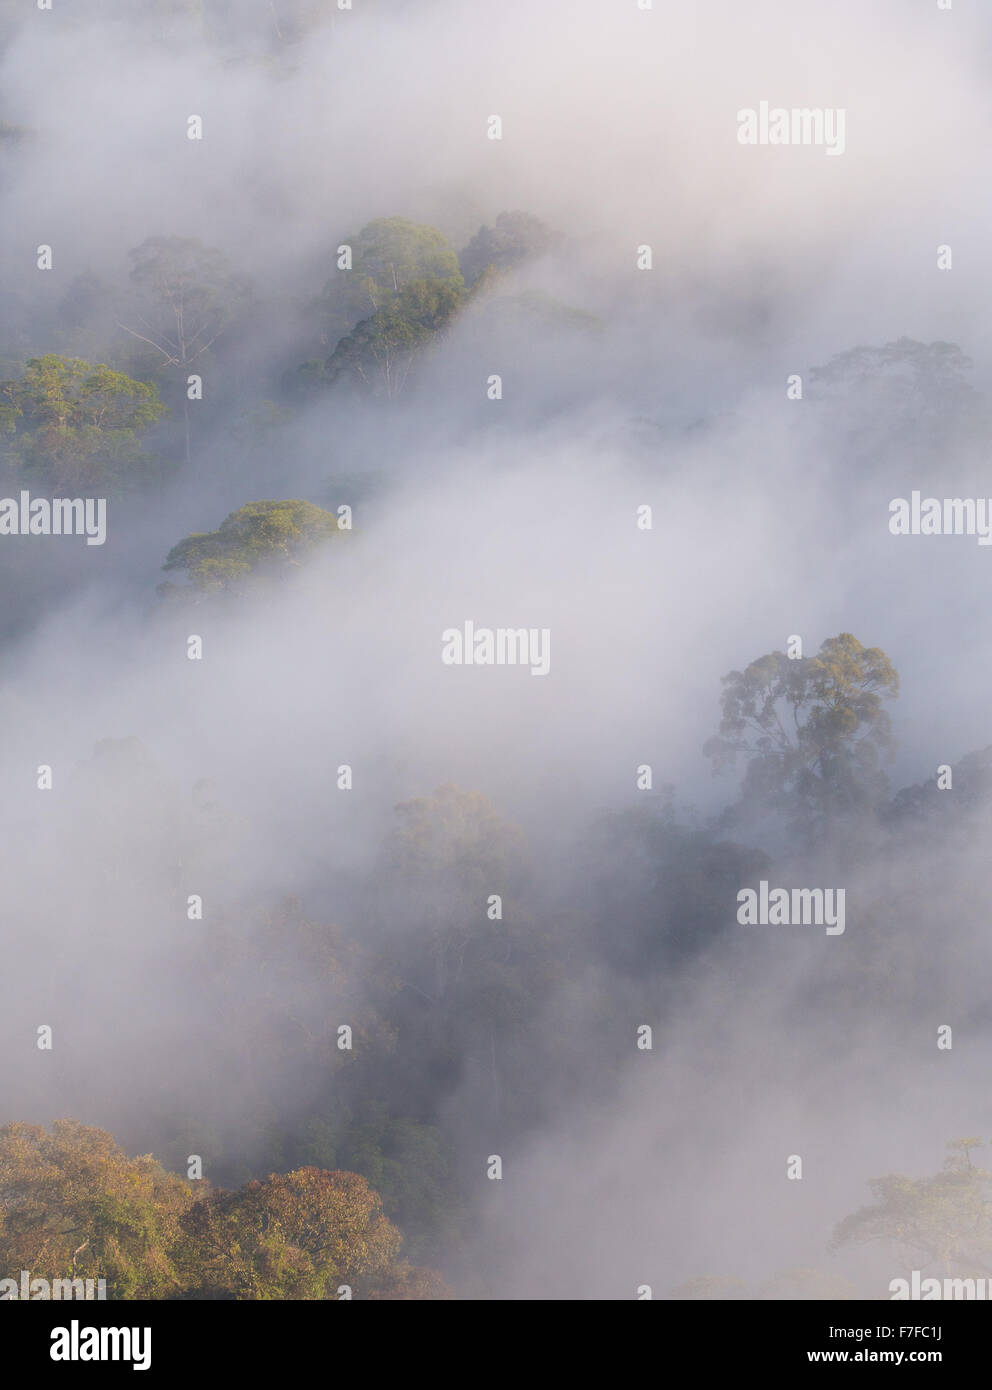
{"type": "Point", "coordinates": [621, 1167]}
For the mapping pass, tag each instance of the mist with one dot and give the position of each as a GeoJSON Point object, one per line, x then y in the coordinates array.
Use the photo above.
{"type": "Point", "coordinates": [623, 392]}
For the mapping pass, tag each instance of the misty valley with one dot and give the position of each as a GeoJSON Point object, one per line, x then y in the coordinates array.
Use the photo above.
{"type": "Point", "coordinates": [358, 364]}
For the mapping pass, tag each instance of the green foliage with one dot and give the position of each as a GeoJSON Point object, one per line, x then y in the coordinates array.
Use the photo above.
{"type": "Point", "coordinates": [72, 1204]}
{"type": "Point", "coordinates": [381, 351]}
{"type": "Point", "coordinates": [403, 288]}
{"type": "Point", "coordinates": [408, 1164]}
{"type": "Point", "coordinates": [261, 537]}
{"type": "Point", "coordinates": [388, 255]}
{"type": "Point", "coordinates": [516, 237]}
{"type": "Point", "coordinates": [813, 729]}
{"type": "Point", "coordinates": [296, 1236]}
{"type": "Point", "coordinates": [945, 1219]}
{"type": "Point", "coordinates": [75, 426]}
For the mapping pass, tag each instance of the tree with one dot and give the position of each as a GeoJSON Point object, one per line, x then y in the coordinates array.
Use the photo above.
{"type": "Point", "coordinates": [906, 392]}
{"type": "Point", "coordinates": [404, 288]}
{"type": "Point", "coordinates": [76, 425]}
{"type": "Point", "coordinates": [300, 1235]}
{"type": "Point", "coordinates": [900, 373]}
{"type": "Point", "coordinates": [261, 537]}
{"type": "Point", "coordinates": [515, 238]}
{"type": "Point", "coordinates": [387, 255]}
{"type": "Point", "coordinates": [73, 1205]}
{"type": "Point", "coordinates": [813, 729]}
{"type": "Point", "coordinates": [945, 1220]}
{"type": "Point", "coordinates": [187, 298]}
{"type": "Point", "coordinates": [407, 1162]}
{"type": "Point", "coordinates": [381, 351]}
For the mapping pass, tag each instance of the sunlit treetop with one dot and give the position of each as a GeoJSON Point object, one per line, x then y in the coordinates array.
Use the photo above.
{"type": "Point", "coordinates": [259, 537]}
{"type": "Point", "coordinates": [73, 424]}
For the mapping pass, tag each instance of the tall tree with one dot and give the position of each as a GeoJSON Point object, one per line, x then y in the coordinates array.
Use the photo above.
{"type": "Point", "coordinates": [401, 290]}
{"type": "Point", "coordinates": [387, 255]}
{"type": "Point", "coordinates": [381, 351]}
{"type": "Point", "coordinates": [813, 730]}
{"type": "Point", "coordinates": [187, 297]}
